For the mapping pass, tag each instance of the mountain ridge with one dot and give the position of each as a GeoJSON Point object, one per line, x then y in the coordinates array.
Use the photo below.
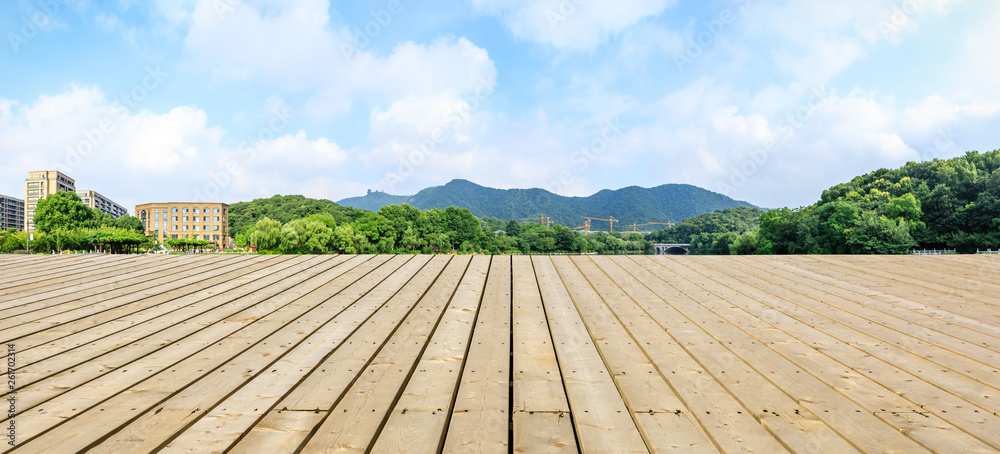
{"type": "Point", "coordinates": [668, 202]}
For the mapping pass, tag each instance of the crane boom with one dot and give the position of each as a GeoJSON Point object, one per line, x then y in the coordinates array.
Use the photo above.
{"type": "Point", "coordinates": [546, 221]}
{"type": "Point", "coordinates": [634, 224]}
{"type": "Point", "coordinates": [611, 220]}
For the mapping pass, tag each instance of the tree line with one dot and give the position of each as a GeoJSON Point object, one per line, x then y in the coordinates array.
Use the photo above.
{"type": "Point", "coordinates": [941, 204]}
{"type": "Point", "coordinates": [63, 222]}
{"type": "Point", "coordinates": [403, 229]}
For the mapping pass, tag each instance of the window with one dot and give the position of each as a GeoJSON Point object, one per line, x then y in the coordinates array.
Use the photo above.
{"type": "Point", "coordinates": [196, 228]}
{"type": "Point", "coordinates": [173, 228]}
{"type": "Point", "coordinates": [196, 211]}
{"type": "Point", "coordinates": [186, 210]}
{"type": "Point", "coordinates": [207, 229]}
{"type": "Point", "coordinates": [216, 219]}
{"type": "Point", "coordinates": [215, 238]}
{"type": "Point", "coordinates": [185, 218]}
{"type": "Point", "coordinates": [206, 237]}
{"type": "Point", "coordinates": [173, 236]}
{"type": "Point", "coordinates": [215, 228]}
{"type": "Point", "coordinates": [173, 210]}
{"type": "Point", "coordinates": [174, 219]}
{"type": "Point", "coordinates": [184, 228]}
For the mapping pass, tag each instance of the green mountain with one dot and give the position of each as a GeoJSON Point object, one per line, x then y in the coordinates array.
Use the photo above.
{"type": "Point", "coordinates": [672, 202]}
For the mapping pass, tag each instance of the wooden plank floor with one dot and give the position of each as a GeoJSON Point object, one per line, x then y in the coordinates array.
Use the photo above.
{"type": "Point", "coordinates": [276, 354]}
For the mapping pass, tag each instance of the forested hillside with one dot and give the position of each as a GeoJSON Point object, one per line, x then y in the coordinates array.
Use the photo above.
{"type": "Point", "coordinates": [952, 204]}
{"type": "Point", "coordinates": [285, 209]}
{"type": "Point", "coordinates": [633, 204]}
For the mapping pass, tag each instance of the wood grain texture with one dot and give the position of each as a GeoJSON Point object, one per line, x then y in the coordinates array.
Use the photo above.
{"type": "Point", "coordinates": [393, 354]}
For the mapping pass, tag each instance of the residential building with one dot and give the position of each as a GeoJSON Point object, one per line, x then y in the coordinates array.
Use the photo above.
{"type": "Point", "coordinates": [202, 221]}
{"type": "Point", "coordinates": [99, 202]}
{"type": "Point", "coordinates": [11, 213]}
{"type": "Point", "coordinates": [40, 184]}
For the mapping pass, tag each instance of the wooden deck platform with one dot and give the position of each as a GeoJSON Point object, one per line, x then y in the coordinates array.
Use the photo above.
{"type": "Point", "coordinates": [423, 354]}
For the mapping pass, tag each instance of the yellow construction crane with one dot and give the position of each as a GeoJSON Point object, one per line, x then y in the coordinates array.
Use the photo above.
{"type": "Point", "coordinates": [541, 220]}
{"type": "Point", "coordinates": [611, 221]}
{"type": "Point", "coordinates": [634, 225]}
{"type": "Point", "coordinates": [585, 227]}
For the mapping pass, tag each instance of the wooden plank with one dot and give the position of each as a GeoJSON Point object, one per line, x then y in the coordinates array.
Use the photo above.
{"type": "Point", "coordinates": [480, 419]}
{"type": "Point", "coordinates": [952, 311]}
{"type": "Point", "coordinates": [11, 287]}
{"type": "Point", "coordinates": [354, 423]}
{"type": "Point", "coordinates": [108, 336]}
{"type": "Point", "coordinates": [418, 421]}
{"type": "Point", "coordinates": [28, 304]}
{"type": "Point", "coordinates": [96, 311]}
{"type": "Point", "coordinates": [602, 421]}
{"type": "Point", "coordinates": [42, 274]}
{"type": "Point", "coordinates": [310, 334]}
{"type": "Point", "coordinates": [368, 324]}
{"type": "Point", "coordinates": [34, 317]}
{"type": "Point", "coordinates": [797, 409]}
{"type": "Point", "coordinates": [983, 313]}
{"type": "Point", "coordinates": [893, 338]}
{"type": "Point", "coordinates": [46, 266]}
{"type": "Point", "coordinates": [542, 421]}
{"type": "Point", "coordinates": [854, 373]}
{"type": "Point", "coordinates": [57, 359]}
{"type": "Point", "coordinates": [222, 425]}
{"type": "Point", "coordinates": [159, 375]}
{"type": "Point", "coordinates": [642, 385]}
{"type": "Point", "coordinates": [933, 285]}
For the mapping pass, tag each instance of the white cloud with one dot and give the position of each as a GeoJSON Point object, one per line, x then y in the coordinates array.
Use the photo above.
{"type": "Point", "coordinates": [140, 157]}
{"type": "Point", "coordinates": [294, 45]}
{"type": "Point", "coordinates": [812, 40]}
{"type": "Point", "coordinates": [575, 25]}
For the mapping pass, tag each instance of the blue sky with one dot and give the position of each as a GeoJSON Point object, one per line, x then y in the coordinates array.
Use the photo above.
{"type": "Point", "coordinates": [769, 101]}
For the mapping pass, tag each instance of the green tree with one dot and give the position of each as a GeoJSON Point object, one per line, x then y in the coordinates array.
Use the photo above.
{"type": "Point", "coordinates": [62, 211]}
{"type": "Point", "coordinates": [129, 223]}
{"type": "Point", "coordinates": [12, 241]}
{"type": "Point", "coordinates": [266, 235]}
{"type": "Point", "coordinates": [513, 228]}
{"type": "Point", "coordinates": [877, 234]}
{"type": "Point", "coordinates": [372, 226]}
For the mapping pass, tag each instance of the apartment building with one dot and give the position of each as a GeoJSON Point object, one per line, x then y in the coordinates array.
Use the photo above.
{"type": "Point", "coordinates": [201, 221]}
{"type": "Point", "coordinates": [99, 202]}
{"type": "Point", "coordinates": [11, 213]}
{"type": "Point", "coordinates": [47, 182]}
{"type": "Point", "coordinates": [40, 184]}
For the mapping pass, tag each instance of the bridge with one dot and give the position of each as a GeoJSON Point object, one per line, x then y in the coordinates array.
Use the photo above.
{"type": "Point", "coordinates": [672, 249]}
